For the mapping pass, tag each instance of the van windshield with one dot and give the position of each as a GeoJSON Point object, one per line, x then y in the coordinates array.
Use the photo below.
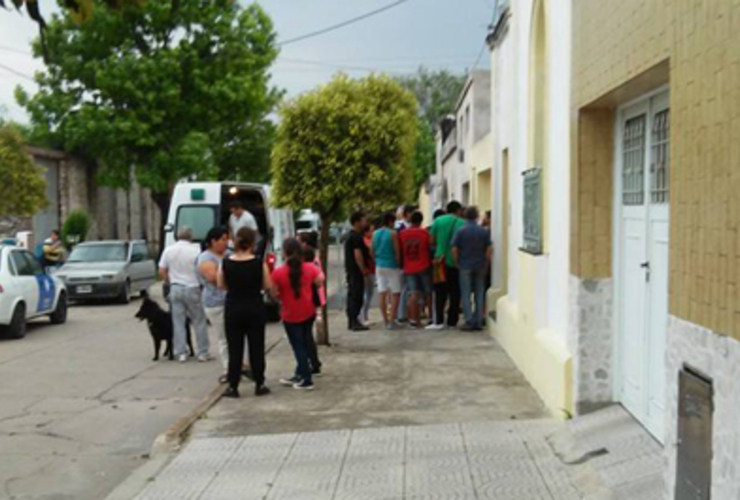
{"type": "Point", "coordinates": [199, 218]}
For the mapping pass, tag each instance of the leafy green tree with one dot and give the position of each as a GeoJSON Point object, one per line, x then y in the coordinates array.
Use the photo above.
{"type": "Point", "coordinates": [173, 89]}
{"type": "Point", "coordinates": [425, 153]}
{"type": "Point", "coordinates": [75, 228]}
{"type": "Point", "coordinates": [79, 10]}
{"type": "Point", "coordinates": [23, 186]}
{"type": "Point", "coordinates": [437, 93]}
{"type": "Point", "coordinates": [347, 145]}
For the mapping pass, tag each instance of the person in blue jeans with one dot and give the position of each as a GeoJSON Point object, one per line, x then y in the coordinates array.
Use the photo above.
{"type": "Point", "coordinates": [472, 250]}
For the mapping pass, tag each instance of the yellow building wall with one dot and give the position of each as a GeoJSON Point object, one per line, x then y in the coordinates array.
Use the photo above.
{"type": "Point", "coordinates": [425, 206]}
{"type": "Point", "coordinates": [481, 162]}
{"type": "Point", "coordinates": [540, 354]}
{"type": "Point", "coordinates": [622, 49]}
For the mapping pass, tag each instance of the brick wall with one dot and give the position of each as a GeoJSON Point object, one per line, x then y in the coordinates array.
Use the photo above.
{"type": "Point", "coordinates": [618, 50]}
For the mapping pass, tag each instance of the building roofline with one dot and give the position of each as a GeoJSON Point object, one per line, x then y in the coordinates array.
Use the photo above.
{"type": "Point", "coordinates": [49, 154]}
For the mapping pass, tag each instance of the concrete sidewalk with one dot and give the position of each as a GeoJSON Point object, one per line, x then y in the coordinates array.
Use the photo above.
{"type": "Point", "coordinates": [381, 378]}
{"type": "Point", "coordinates": [407, 415]}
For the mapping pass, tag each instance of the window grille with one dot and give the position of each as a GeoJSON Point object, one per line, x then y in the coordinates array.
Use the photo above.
{"type": "Point", "coordinates": [660, 161]}
{"type": "Point", "coordinates": [633, 160]}
{"type": "Point", "coordinates": [533, 211]}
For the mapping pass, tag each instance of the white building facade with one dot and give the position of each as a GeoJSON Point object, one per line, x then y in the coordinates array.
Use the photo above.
{"type": "Point", "coordinates": [530, 95]}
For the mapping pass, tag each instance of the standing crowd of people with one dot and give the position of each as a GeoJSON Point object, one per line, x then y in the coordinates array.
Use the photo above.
{"type": "Point", "coordinates": [421, 273]}
{"type": "Point", "coordinates": [223, 284]}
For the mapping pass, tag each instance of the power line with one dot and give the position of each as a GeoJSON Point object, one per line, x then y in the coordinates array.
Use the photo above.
{"type": "Point", "coordinates": [343, 23]}
{"type": "Point", "coordinates": [330, 65]}
{"type": "Point", "coordinates": [17, 73]}
{"type": "Point", "coordinates": [480, 54]}
{"type": "Point", "coordinates": [17, 51]}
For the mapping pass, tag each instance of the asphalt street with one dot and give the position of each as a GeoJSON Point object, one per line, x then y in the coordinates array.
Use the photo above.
{"type": "Point", "coordinates": [81, 403]}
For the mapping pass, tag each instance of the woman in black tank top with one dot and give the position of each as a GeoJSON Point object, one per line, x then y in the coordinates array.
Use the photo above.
{"type": "Point", "coordinates": [244, 276]}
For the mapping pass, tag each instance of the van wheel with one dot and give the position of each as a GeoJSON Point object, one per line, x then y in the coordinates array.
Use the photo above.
{"type": "Point", "coordinates": [59, 316]}
{"type": "Point", "coordinates": [17, 327]}
{"type": "Point", "coordinates": [125, 296]}
{"type": "Point", "coordinates": [273, 313]}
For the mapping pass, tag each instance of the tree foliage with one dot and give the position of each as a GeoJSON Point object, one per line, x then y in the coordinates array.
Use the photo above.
{"type": "Point", "coordinates": [75, 228]}
{"type": "Point", "coordinates": [172, 88]}
{"type": "Point", "coordinates": [437, 92]}
{"type": "Point", "coordinates": [348, 145]}
{"type": "Point", "coordinates": [425, 153]}
{"type": "Point", "coordinates": [23, 186]}
{"type": "Point", "coordinates": [79, 10]}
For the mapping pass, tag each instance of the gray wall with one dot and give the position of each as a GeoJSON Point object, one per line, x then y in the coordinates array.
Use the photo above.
{"type": "Point", "coordinates": [44, 222]}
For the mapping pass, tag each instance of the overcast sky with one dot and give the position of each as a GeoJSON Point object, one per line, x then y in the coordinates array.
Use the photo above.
{"type": "Point", "coordinates": [434, 33]}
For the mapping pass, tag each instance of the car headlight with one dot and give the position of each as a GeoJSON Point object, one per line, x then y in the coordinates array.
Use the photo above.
{"type": "Point", "coordinates": [108, 277]}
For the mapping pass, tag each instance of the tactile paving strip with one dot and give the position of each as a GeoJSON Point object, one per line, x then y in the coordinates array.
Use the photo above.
{"type": "Point", "coordinates": [486, 460]}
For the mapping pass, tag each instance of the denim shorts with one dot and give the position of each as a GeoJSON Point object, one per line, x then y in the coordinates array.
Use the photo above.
{"type": "Point", "coordinates": [420, 282]}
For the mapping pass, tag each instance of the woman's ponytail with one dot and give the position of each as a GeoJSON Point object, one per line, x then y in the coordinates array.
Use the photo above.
{"type": "Point", "coordinates": [294, 254]}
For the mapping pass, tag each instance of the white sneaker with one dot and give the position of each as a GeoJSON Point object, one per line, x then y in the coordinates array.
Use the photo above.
{"type": "Point", "coordinates": [435, 327]}
{"type": "Point", "coordinates": [204, 357]}
{"type": "Point", "coordinates": [182, 358]}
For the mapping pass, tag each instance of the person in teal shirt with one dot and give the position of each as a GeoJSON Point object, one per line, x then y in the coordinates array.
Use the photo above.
{"type": "Point", "coordinates": [387, 257]}
{"type": "Point", "coordinates": [443, 231]}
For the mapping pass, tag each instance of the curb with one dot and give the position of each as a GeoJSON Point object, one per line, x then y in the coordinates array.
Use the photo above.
{"type": "Point", "coordinates": [166, 445]}
{"type": "Point", "coordinates": [170, 440]}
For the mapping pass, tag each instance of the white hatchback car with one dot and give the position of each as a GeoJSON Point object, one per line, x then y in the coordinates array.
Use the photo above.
{"type": "Point", "coordinates": [26, 292]}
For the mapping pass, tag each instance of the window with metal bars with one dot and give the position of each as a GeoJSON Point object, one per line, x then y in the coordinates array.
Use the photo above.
{"type": "Point", "coordinates": [633, 161]}
{"type": "Point", "coordinates": [533, 241]}
{"type": "Point", "coordinates": [660, 158]}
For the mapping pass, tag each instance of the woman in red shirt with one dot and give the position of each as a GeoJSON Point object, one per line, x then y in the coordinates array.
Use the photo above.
{"type": "Point", "coordinates": [294, 283]}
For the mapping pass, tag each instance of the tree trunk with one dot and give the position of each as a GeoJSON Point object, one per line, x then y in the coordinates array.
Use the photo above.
{"type": "Point", "coordinates": [323, 333]}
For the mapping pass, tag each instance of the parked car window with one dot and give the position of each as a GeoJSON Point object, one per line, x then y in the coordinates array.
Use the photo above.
{"type": "Point", "coordinates": [200, 219]}
{"type": "Point", "coordinates": [22, 266]}
{"type": "Point", "coordinates": [99, 253]}
{"type": "Point", "coordinates": [33, 264]}
{"type": "Point", "coordinates": [140, 253]}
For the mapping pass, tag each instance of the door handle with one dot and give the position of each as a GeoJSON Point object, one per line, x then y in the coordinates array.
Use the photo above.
{"type": "Point", "coordinates": [646, 267]}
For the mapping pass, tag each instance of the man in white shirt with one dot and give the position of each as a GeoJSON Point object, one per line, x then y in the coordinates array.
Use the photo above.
{"type": "Point", "coordinates": [240, 218]}
{"type": "Point", "coordinates": [178, 267]}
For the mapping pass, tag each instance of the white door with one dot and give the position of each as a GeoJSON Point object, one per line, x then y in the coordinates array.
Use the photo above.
{"type": "Point", "coordinates": [24, 281]}
{"type": "Point", "coordinates": [642, 244]}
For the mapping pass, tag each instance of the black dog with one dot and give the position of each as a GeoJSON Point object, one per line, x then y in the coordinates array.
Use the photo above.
{"type": "Point", "coordinates": [160, 327]}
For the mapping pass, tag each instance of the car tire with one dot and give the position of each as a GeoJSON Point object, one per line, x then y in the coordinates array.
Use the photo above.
{"type": "Point", "coordinates": [125, 296]}
{"type": "Point", "coordinates": [59, 316]}
{"type": "Point", "coordinates": [17, 327]}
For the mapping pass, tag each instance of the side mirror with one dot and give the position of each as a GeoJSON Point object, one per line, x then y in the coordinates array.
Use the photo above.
{"type": "Point", "coordinates": [168, 228]}
{"type": "Point", "coordinates": [137, 257]}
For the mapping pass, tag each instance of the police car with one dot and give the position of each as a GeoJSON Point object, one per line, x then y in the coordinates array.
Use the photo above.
{"type": "Point", "coordinates": [27, 291]}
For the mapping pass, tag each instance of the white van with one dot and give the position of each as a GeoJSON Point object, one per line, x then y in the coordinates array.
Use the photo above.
{"type": "Point", "coordinates": [204, 205]}
{"type": "Point", "coordinates": [308, 221]}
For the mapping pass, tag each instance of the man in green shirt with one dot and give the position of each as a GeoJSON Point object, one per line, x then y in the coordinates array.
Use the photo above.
{"type": "Point", "coordinates": [443, 231]}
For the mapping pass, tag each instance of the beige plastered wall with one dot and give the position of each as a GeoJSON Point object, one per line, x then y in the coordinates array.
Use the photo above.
{"type": "Point", "coordinates": [622, 50]}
